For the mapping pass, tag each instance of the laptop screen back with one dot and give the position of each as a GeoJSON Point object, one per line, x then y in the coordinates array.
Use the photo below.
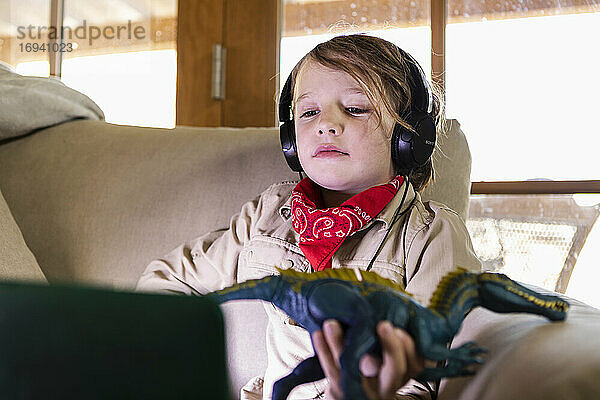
{"type": "Point", "coordinates": [61, 342]}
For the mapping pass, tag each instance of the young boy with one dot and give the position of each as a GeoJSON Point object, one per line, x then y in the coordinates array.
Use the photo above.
{"type": "Point", "coordinates": [357, 208]}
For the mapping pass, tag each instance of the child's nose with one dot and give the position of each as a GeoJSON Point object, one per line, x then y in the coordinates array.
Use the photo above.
{"type": "Point", "coordinates": [330, 122]}
{"type": "Point", "coordinates": [333, 131]}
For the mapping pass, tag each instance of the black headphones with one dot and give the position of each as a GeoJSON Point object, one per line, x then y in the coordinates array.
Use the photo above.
{"type": "Point", "coordinates": [409, 150]}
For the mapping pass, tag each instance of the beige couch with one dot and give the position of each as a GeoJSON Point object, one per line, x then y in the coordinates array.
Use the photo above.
{"type": "Point", "coordinates": [94, 203]}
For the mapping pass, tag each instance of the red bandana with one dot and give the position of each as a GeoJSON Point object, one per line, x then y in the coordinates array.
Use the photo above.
{"type": "Point", "coordinates": [322, 231]}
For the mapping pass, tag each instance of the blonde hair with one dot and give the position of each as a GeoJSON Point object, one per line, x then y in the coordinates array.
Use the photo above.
{"type": "Point", "coordinates": [383, 73]}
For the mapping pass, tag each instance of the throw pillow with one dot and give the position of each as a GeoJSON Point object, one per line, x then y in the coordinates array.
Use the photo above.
{"type": "Point", "coordinates": [29, 103]}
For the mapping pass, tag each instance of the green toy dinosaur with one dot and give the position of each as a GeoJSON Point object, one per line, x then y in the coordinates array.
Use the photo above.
{"type": "Point", "coordinates": [360, 299]}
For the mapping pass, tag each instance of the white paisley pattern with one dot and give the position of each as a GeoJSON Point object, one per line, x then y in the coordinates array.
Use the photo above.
{"type": "Point", "coordinates": [322, 224]}
{"type": "Point", "coordinates": [299, 219]}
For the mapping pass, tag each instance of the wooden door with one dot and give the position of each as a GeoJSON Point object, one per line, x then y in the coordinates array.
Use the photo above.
{"type": "Point", "coordinates": [249, 32]}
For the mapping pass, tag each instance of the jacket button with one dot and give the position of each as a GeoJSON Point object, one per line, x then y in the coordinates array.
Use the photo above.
{"type": "Point", "coordinates": [287, 264]}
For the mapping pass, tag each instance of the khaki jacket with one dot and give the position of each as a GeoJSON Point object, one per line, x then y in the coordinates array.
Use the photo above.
{"type": "Point", "coordinates": [429, 241]}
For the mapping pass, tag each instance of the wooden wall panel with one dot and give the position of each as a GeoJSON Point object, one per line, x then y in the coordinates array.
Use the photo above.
{"type": "Point", "coordinates": [251, 37]}
{"type": "Point", "coordinates": [536, 187]}
{"type": "Point", "coordinates": [439, 17]}
{"type": "Point", "coordinates": [249, 32]}
{"type": "Point", "coordinates": [199, 26]}
{"type": "Point", "coordinates": [5, 46]}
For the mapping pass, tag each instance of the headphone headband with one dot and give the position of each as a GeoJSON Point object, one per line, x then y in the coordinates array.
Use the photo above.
{"type": "Point", "coordinates": [419, 89]}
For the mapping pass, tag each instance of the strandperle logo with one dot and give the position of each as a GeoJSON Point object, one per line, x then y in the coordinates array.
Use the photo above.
{"type": "Point", "coordinates": [84, 31]}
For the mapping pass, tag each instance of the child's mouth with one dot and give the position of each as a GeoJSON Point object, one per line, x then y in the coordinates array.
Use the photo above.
{"type": "Point", "coordinates": [330, 154]}
{"type": "Point", "coordinates": [329, 151]}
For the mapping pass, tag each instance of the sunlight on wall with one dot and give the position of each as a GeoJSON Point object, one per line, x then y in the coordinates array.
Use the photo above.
{"type": "Point", "coordinates": [524, 93]}
{"type": "Point", "coordinates": [136, 88]}
{"type": "Point", "coordinates": [33, 68]}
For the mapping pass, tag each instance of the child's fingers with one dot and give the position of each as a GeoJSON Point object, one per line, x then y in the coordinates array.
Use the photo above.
{"type": "Point", "coordinates": [335, 339]}
{"type": "Point", "coordinates": [326, 360]}
{"type": "Point", "coordinates": [329, 365]}
{"type": "Point", "coordinates": [394, 372]}
{"type": "Point", "coordinates": [415, 361]}
{"type": "Point", "coordinates": [370, 365]}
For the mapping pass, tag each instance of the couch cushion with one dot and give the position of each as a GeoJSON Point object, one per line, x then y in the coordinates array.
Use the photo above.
{"type": "Point", "coordinates": [29, 103]}
{"type": "Point", "coordinates": [97, 202]}
{"type": "Point", "coordinates": [17, 263]}
{"type": "Point", "coordinates": [530, 357]}
{"type": "Point", "coordinates": [452, 170]}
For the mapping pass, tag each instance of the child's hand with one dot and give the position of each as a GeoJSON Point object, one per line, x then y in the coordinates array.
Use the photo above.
{"type": "Point", "coordinates": [381, 378]}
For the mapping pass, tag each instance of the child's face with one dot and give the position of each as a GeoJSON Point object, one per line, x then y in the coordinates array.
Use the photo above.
{"type": "Point", "coordinates": [340, 146]}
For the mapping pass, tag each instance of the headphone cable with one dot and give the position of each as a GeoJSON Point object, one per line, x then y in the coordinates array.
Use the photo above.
{"type": "Point", "coordinates": [395, 219]}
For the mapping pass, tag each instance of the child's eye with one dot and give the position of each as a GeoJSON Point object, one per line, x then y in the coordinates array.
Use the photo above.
{"type": "Point", "coordinates": [308, 112]}
{"type": "Point", "coordinates": [356, 110]}
{"type": "Point", "coordinates": [351, 110]}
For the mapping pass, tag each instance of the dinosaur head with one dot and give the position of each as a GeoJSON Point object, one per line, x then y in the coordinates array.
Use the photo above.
{"type": "Point", "coordinates": [499, 293]}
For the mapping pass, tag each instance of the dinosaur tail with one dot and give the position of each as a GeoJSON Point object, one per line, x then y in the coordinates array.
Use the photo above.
{"type": "Point", "coordinates": [259, 289]}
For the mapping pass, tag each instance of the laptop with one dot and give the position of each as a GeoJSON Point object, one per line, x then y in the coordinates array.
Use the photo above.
{"type": "Point", "coordinates": [63, 342]}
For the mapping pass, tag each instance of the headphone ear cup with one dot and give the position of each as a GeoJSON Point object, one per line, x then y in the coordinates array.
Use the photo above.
{"type": "Point", "coordinates": [423, 142]}
{"type": "Point", "coordinates": [402, 140]}
{"type": "Point", "coordinates": [412, 150]}
{"type": "Point", "coordinates": [287, 136]}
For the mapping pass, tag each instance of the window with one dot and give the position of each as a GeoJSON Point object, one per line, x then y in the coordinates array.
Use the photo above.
{"type": "Point", "coordinates": [120, 54]}
{"type": "Point", "coordinates": [522, 88]}
{"type": "Point", "coordinates": [15, 49]}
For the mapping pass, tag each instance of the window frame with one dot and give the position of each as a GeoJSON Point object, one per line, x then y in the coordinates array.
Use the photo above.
{"type": "Point", "coordinates": [439, 20]}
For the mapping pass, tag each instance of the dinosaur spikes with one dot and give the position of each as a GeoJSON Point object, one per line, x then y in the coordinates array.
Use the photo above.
{"type": "Point", "coordinates": [443, 297]}
{"type": "Point", "coordinates": [372, 277]}
{"type": "Point", "coordinates": [346, 274]}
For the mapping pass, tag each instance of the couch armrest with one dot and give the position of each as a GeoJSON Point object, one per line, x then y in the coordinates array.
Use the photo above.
{"type": "Point", "coordinates": [245, 323]}
{"type": "Point", "coordinates": [530, 357]}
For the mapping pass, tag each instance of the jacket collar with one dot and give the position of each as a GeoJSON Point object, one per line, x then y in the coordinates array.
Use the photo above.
{"type": "Point", "coordinates": [384, 216]}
